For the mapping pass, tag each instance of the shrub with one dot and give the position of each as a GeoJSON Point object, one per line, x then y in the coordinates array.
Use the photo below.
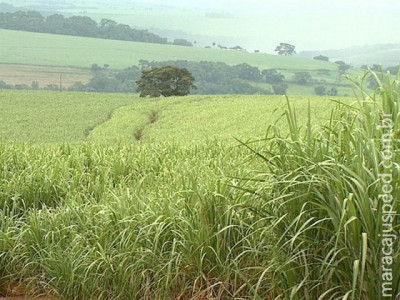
{"type": "Point", "coordinates": [280, 88]}
{"type": "Point", "coordinates": [332, 91]}
{"type": "Point", "coordinates": [320, 90]}
{"type": "Point", "coordinates": [302, 77]}
{"type": "Point", "coordinates": [272, 76]}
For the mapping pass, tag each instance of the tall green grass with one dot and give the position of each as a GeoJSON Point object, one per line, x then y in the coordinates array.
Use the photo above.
{"type": "Point", "coordinates": [196, 119]}
{"type": "Point", "coordinates": [298, 217]}
{"type": "Point", "coordinates": [129, 222]}
{"type": "Point", "coordinates": [320, 186]}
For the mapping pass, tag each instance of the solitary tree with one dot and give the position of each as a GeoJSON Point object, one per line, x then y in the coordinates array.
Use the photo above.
{"type": "Point", "coordinates": [285, 49]}
{"type": "Point", "coordinates": [320, 90]}
{"type": "Point", "coordinates": [343, 67]}
{"type": "Point", "coordinates": [167, 81]}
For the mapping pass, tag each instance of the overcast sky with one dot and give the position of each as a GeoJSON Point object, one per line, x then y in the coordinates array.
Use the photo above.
{"type": "Point", "coordinates": [309, 24]}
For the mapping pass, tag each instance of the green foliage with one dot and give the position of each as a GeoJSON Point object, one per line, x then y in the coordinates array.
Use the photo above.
{"type": "Point", "coordinates": [5, 86]}
{"type": "Point", "coordinates": [35, 85]}
{"type": "Point", "coordinates": [21, 87]}
{"type": "Point", "coordinates": [302, 77]}
{"type": "Point", "coordinates": [123, 221]}
{"type": "Point", "coordinates": [182, 42]}
{"type": "Point", "coordinates": [167, 81]}
{"type": "Point", "coordinates": [342, 66]}
{"type": "Point", "coordinates": [228, 117]}
{"type": "Point", "coordinates": [75, 25]}
{"type": "Point", "coordinates": [247, 72]}
{"type": "Point", "coordinates": [163, 220]}
{"type": "Point", "coordinates": [285, 49]}
{"type": "Point", "coordinates": [113, 118]}
{"type": "Point", "coordinates": [217, 77]}
{"type": "Point", "coordinates": [325, 198]}
{"type": "Point", "coordinates": [110, 81]}
{"type": "Point", "coordinates": [168, 216]}
{"type": "Point", "coordinates": [394, 70]}
{"type": "Point", "coordinates": [272, 76]}
{"type": "Point", "coordinates": [321, 57]}
{"type": "Point", "coordinates": [320, 90]}
{"type": "Point", "coordinates": [332, 91]}
{"type": "Point", "coordinates": [280, 88]}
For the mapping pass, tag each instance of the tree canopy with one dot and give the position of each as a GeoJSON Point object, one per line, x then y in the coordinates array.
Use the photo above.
{"type": "Point", "coordinates": [167, 81]}
{"type": "Point", "coordinates": [343, 67]}
{"type": "Point", "coordinates": [272, 76]}
{"type": "Point", "coordinates": [77, 26]}
{"type": "Point", "coordinates": [285, 49]}
{"type": "Point", "coordinates": [321, 57]}
{"type": "Point", "coordinates": [302, 77]}
{"type": "Point", "coordinates": [182, 42]}
{"type": "Point", "coordinates": [211, 78]}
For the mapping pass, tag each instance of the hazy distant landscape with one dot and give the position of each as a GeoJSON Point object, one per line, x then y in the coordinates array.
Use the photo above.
{"type": "Point", "coordinates": [199, 150]}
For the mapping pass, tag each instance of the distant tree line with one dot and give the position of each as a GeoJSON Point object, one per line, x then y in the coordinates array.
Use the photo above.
{"type": "Point", "coordinates": [23, 86]}
{"type": "Point", "coordinates": [210, 78]}
{"type": "Point", "coordinates": [105, 80]}
{"type": "Point", "coordinates": [321, 57]}
{"type": "Point", "coordinates": [217, 77]}
{"type": "Point", "coordinates": [78, 26]}
{"type": "Point", "coordinates": [394, 70]}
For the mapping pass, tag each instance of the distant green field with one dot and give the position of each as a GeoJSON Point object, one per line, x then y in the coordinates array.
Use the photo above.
{"type": "Point", "coordinates": [26, 51]}
{"type": "Point", "coordinates": [108, 118]}
{"type": "Point", "coordinates": [198, 118]}
{"type": "Point", "coordinates": [57, 50]}
{"type": "Point", "coordinates": [28, 116]}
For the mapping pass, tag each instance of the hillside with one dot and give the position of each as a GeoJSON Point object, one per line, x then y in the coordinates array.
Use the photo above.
{"type": "Point", "coordinates": [44, 58]}
{"type": "Point", "coordinates": [57, 50]}
{"type": "Point", "coordinates": [34, 116]}
{"type": "Point", "coordinates": [111, 118]}
{"type": "Point", "coordinates": [386, 55]}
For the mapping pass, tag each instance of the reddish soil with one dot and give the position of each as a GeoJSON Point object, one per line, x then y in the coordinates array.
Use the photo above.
{"type": "Point", "coordinates": [16, 291]}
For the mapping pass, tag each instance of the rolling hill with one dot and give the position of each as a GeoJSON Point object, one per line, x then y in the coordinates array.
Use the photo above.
{"type": "Point", "coordinates": [58, 50]}
{"type": "Point", "coordinates": [114, 118]}
{"type": "Point", "coordinates": [45, 57]}
{"type": "Point", "coordinates": [387, 55]}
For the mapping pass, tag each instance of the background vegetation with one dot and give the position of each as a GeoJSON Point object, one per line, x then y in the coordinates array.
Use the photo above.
{"type": "Point", "coordinates": [50, 50]}
{"type": "Point", "coordinates": [111, 118]}
{"type": "Point", "coordinates": [76, 25]}
{"type": "Point", "coordinates": [165, 218]}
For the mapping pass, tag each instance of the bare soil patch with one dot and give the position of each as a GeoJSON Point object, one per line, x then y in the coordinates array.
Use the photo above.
{"type": "Point", "coordinates": [44, 75]}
